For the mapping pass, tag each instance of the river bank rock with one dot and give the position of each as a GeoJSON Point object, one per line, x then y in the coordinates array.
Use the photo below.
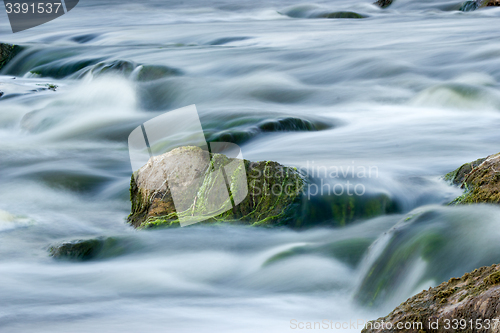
{"type": "Point", "coordinates": [273, 196]}
{"type": "Point", "coordinates": [480, 179]}
{"type": "Point", "coordinates": [471, 303]}
{"type": "Point", "coordinates": [7, 52]}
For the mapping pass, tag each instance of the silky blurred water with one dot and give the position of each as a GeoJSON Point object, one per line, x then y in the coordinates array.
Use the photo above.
{"type": "Point", "coordinates": [412, 90]}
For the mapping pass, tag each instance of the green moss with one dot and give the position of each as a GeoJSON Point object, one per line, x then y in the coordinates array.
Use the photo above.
{"type": "Point", "coordinates": [266, 204]}
{"type": "Point", "coordinates": [479, 179]}
{"type": "Point", "coordinates": [493, 278]}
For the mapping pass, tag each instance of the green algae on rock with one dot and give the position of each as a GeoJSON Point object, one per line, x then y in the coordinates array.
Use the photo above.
{"type": "Point", "coordinates": [7, 52]}
{"type": "Point", "coordinates": [473, 299]}
{"type": "Point", "coordinates": [480, 179]}
{"type": "Point", "coordinates": [274, 191]}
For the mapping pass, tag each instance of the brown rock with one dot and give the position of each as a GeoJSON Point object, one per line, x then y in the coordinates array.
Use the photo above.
{"type": "Point", "coordinates": [471, 302]}
{"type": "Point", "coordinates": [480, 179]}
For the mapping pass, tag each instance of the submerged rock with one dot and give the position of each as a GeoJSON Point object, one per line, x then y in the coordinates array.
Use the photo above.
{"type": "Point", "coordinates": [242, 130]}
{"type": "Point", "coordinates": [348, 251]}
{"type": "Point", "coordinates": [480, 179]}
{"type": "Point", "coordinates": [7, 52]}
{"type": "Point", "coordinates": [89, 249]}
{"type": "Point", "coordinates": [471, 302]}
{"type": "Point", "coordinates": [343, 15]}
{"type": "Point", "coordinates": [273, 196]}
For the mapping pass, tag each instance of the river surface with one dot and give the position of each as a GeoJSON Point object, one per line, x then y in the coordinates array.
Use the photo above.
{"type": "Point", "coordinates": [411, 91]}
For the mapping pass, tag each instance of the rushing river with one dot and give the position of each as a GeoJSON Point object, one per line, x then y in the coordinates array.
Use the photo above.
{"type": "Point", "coordinates": [411, 91]}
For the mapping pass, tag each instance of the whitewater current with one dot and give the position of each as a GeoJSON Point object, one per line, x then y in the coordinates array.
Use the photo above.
{"type": "Point", "coordinates": [411, 91]}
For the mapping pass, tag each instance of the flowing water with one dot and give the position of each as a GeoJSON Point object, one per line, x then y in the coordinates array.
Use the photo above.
{"type": "Point", "coordinates": [411, 91]}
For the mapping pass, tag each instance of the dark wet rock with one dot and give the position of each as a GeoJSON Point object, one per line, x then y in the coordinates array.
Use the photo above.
{"type": "Point", "coordinates": [314, 11]}
{"type": "Point", "coordinates": [383, 3]}
{"type": "Point", "coordinates": [472, 5]}
{"type": "Point", "coordinates": [244, 130]}
{"type": "Point", "coordinates": [7, 52]}
{"type": "Point", "coordinates": [342, 15]}
{"type": "Point", "coordinates": [274, 191]}
{"type": "Point", "coordinates": [472, 300]}
{"type": "Point", "coordinates": [341, 210]}
{"type": "Point", "coordinates": [89, 249]}
{"type": "Point", "coordinates": [480, 180]}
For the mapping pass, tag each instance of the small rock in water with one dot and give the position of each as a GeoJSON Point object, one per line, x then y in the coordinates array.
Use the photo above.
{"type": "Point", "coordinates": [88, 249]}
{"type": "Point", "coordinates": [343, 15]}
{"type": "Point", "coordinates": [383, 3]}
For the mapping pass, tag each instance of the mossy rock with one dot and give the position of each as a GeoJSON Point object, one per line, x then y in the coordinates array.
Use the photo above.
{"type": "Point", "coordinates": [458, 176]}
{"type": "Point", "coordinates": [471, 299]}
{"type": "Point", "coordinates": [7, 52]}
{"type": "Point", "coordinates": [273, 191]}
{"type": "Point", "coordinates": [274, 195]}
{"type": "Point", "coordinates": [480, 179]}
{"type": "Point", "coordinates": [89, 249]}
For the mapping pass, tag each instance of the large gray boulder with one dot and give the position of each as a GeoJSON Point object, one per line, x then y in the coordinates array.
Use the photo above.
{"type": "Point", "coordinates": [270, 194]}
